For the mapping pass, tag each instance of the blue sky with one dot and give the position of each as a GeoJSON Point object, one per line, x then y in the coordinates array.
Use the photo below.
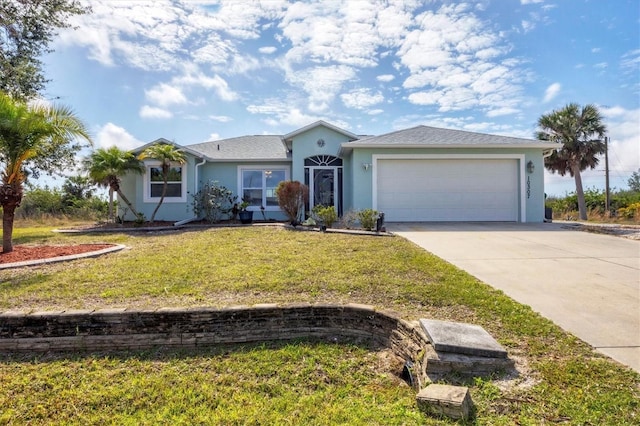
{"type": "Point", "coordinates": [192, 71]}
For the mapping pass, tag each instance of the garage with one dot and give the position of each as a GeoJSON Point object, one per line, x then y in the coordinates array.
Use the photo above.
{"type": "Point", "coordinates": [445, 190]}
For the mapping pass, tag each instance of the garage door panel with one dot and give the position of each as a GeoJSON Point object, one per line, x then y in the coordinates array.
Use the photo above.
{"type": "Point", "coordinates": [448, 189]}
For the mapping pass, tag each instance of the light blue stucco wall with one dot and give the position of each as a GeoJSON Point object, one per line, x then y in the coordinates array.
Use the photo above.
{"type": "Point", "coordinates": [225, 173]}
{"type": "Point", "coordinates": [305, 145]}
{"type": "Point", "coordinates": [533, 190]}
{"type": "Point", "coordinates": [169, 210]}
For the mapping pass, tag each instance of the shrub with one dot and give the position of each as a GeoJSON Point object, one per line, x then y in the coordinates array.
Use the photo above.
{"type": "Point", "coordinates": [368, 218]}
{"type": "Point", "coordinates": [630, 212]}
{"type": "Point", "coordinates": [349, 219]}
{"type": "Point", "coordinates": [213, 201]}
{"type": "Point", "coordinates": [46, 202]}
{"type": "Point", "coordinates": [291, 198]}
{"type": "Point", "coordinates": [326, 214]}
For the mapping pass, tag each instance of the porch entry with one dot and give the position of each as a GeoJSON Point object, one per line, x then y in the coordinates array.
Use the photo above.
{"type": "Point", "coordinates": [323, 176]}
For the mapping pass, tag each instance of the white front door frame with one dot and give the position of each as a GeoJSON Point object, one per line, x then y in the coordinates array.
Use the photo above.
{"type": "Point", "coordinates": [336, 189]}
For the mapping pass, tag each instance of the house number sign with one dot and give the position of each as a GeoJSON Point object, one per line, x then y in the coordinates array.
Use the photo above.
{"type": "Point", "coordinates": [528, 188]}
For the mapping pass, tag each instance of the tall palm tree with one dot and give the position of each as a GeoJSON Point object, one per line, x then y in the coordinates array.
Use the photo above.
{"type": "Point", "coordinates": [107, 165]}
{"type": "Point", "coordinates": [167, 154]}
{"type": "Point", "coordinates": [581, 131]}
{"type": "Point", "coordinates": [33, 138]}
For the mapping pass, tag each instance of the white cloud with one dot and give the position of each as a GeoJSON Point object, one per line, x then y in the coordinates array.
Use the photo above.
{"type": "Point", "coordinates": [595, 50]}
{"type": "Point", "coordinates": [213, 137]}
{"type": "Point", "coordinates": [162, 34]}
{"type": "Point", "coordinates": [385, 78]}
{"type": "Point", "coordinates": [361, 98]}
{"type": "Point", "coordinates": [321, 83]}
{"type": "Point", "coordinates": [551, 92]}
{"type": "Point", "coordinates": [221, 118]}
{"type": "Point", "coordinates": [346, 33]}
{"type": "Point", "coordinates": [601, 65]}
{"type": "Point", "coordinates": [631, 61]}
{"type": "Point", "coordinates": [111, 135]}
{"type": "Point", "coordinates": [268, 50]}
{"type": "Point", "coordinates": [152, 112]}
{"type": "Point", "coordinates": [527, 25]}
{"type": "Point", "coordinates": [165, 95]}
{"type": "Point", "coordinates": [531, 1]}
{"type": "Point", "coordinates": [192, 77]}
{"type": "Point", "coordinates": [456, 62]}
{"type": "Point", "coordinates": [624, 134]}
{"type": "Point", "coordinates": [502, 111]}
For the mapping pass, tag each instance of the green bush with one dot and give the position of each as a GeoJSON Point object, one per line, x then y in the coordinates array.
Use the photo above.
{"type": "Point", "coordinates": [213, 201]}
{"type": "Point", "coordinates": [595, 200]}
{"type": "Point", "coordinates": [38, 203]}
{"type": "Point", "coordinates": [326, 214]}
{"type": "Point", "coordinates": [368, 218]}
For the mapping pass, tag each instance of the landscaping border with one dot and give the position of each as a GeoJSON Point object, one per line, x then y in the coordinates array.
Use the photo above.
{"type": "Point", "coordinates": [123, 329]}
{"type": "Point", "coordinates": [95, 253]}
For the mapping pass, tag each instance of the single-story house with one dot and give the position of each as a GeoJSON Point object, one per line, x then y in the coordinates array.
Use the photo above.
{"type": "Point", "coordinates": [418, 174]}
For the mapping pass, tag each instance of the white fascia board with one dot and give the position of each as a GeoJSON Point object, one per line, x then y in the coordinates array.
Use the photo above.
{"type": "Point", "coordinates": [349, 145]}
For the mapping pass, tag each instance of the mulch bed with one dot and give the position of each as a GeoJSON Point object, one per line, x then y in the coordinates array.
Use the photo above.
{"type": "Point", "coordinates": [22, 253]}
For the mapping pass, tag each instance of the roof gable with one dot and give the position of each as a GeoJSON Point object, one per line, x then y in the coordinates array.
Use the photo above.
{"type": "Point", "coordinates": [320, 123]}
{"type": "Point", "coordinates": [166, 142]}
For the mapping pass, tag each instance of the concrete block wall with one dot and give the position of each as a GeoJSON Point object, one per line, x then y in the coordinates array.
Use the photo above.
{"type": "Point", "coordinates": [123, 329]}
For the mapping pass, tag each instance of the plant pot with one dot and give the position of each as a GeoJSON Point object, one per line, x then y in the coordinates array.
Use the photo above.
{"type": "Point", "coordinates": [246, 216]}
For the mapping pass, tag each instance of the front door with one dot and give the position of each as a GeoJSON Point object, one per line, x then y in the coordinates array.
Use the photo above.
{"type": "Point", "coordinates": [323, 176]}
{"type": "Point", "coordinates": [324, 187]}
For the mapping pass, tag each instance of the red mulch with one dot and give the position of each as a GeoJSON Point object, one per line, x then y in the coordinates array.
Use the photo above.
{"type": "Point", "coordinates": [22, 253]}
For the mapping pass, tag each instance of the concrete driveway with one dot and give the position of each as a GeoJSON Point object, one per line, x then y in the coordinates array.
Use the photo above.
{"type": "Point", "coordinates": [588, 284]}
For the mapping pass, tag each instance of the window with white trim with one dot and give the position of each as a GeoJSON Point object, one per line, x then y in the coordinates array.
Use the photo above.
{"type": "Point", "coordinates": [154, 182]}
{"type": "Point", "coordinates": [258, 186]}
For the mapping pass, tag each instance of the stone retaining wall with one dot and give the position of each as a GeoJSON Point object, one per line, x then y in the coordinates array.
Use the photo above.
{"type": "Point", "coordinates": [120, 329]}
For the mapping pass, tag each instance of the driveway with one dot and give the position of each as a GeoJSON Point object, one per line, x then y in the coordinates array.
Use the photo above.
{"type": "Point", "coordinates": [588, 284]}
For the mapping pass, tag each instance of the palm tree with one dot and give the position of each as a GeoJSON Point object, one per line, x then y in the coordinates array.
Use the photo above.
{"type": "Point", "coordinates": [107, 165]}
{"type": "Point", "coordinates": [580, 131]}
{"type": "Point", "coordinates": [33, 138]}
{"type": "Point", "coordinates": [167, 154]}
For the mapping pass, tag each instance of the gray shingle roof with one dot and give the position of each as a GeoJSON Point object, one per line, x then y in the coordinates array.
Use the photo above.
{"type": "Point", "coordinates": [433, 136]}
{"type": "Point", "coordinates": [255, 147]}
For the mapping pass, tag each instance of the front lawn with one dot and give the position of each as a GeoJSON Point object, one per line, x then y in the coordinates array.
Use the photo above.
{"type": "Point", "coordinates": [298, 383]}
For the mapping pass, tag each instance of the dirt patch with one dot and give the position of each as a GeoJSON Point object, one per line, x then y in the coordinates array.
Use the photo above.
{"type": "Point", "coordinates": [24, 253]}
{"type": "Point", "coordinates": [631, 232]}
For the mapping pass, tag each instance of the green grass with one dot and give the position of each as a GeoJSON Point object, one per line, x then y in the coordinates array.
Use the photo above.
{"type": "Point", "coordinates": [302, 383]}
{"type": "Point", "coordinates": [295, 383]}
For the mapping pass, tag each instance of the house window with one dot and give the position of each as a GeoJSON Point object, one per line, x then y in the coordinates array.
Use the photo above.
{"type": "Point", "coordinates": [258, 186]}
{"type": "Point", "coordinates": [154, 182]}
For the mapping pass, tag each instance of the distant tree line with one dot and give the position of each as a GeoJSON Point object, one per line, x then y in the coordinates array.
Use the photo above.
{"type": "Point", "coordinates": [76, 199]}
{"type": "Point", "coordinates": [623, 204]}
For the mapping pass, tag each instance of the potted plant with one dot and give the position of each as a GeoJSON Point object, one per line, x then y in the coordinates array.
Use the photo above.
{"type": "Point", "coordinates": [246, 216]}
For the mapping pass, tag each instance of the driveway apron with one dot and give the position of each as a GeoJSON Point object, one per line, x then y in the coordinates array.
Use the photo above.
{"type": "Point", "coordinates": [588, 284]}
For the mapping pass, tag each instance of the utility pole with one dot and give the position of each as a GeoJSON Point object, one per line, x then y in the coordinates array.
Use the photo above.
{"type": "Point", "coordinates": [606, 174]}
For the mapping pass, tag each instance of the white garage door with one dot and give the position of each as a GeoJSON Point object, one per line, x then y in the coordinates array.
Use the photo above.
{"type": "Point", "coordinates": [448, 189]}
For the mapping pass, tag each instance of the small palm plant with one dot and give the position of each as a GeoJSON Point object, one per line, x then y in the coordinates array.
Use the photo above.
{"type": "Point", "coordinates": [106, 166]}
